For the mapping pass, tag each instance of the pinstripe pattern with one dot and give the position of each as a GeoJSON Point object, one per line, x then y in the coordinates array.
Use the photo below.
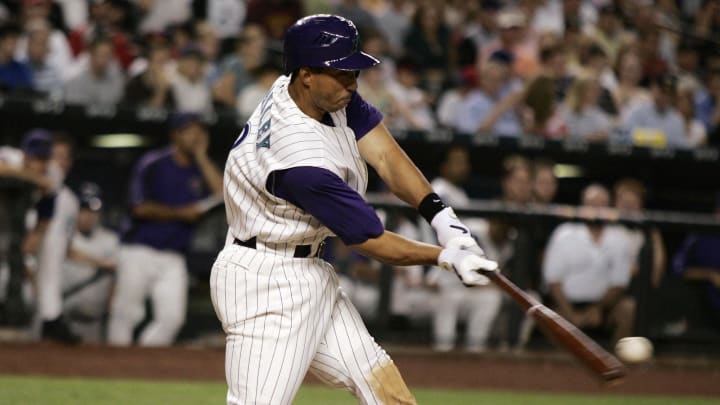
{"type": "Point", "coordinates": [295, 140]}
{"type": "Point", "coordinates": [296, 319]}
{"type": "Point", "coordinates": [284, 316]}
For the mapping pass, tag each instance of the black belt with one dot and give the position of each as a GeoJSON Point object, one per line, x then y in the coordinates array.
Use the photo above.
{"type": "Point", "coordinates": [300, 250]}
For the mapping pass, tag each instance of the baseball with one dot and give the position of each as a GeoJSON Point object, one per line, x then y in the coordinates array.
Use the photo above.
{"type": "Point", "coordinates": [635, 349]}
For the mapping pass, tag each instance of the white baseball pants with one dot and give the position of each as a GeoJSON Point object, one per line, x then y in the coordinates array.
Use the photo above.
{"type": "Point", "coordinates": [143, 271]}
{"type": "Point", "coordinates": [284, 316]}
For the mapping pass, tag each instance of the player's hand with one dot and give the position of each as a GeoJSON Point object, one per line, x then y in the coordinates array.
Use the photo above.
{"type": "Point", "coordinates": [453, 234]}
{"type": "Point", "coordinates": [467, 265]}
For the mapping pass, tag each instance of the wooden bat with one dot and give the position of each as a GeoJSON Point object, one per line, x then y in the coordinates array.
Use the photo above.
{"type": "Point", "coordinates": [565, 334]}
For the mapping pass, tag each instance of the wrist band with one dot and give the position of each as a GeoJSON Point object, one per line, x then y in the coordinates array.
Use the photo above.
{"type": "Point", "coordinates": [430, 206]}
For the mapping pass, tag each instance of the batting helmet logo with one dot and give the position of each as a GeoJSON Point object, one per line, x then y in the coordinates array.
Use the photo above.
{"type": "Point", "coordinates": [325, 40]}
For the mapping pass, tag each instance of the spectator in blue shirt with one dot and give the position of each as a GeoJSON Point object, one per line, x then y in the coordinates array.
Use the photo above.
{"type": "Point", "coordinates": [13, 74]}
{"type": "Point", "coordinates": [658, 122]}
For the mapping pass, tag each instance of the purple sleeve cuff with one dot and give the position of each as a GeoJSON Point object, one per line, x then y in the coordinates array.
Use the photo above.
{"type": "Point", "coordinates": [361, 116]}
{"type": "Point", "coordinates": [329, 199]}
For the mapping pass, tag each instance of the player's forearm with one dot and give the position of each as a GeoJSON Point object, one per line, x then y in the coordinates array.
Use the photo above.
{"type": "Point", "coordinates": [393, 166]}
{"type": "Point", "coordinates": [39, 180]}
{"type": "Point", "coordinates": [394, 249]}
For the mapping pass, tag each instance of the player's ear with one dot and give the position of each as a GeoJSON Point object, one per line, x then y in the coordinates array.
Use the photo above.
{"type": "Point", "coordinates": [305, 75]}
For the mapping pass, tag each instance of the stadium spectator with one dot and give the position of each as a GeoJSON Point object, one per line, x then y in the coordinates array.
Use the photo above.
{"type": "Point", "coordinates": [88, 272]}
{"type": "Point", "coordinates": [627, 91]}
{"type": "Point", "coordinates": [454, 98]}
{"type": "Point", "coordinates": [608, 32]}
{"type": "Point", "coordinates": [250, 53]}
{"type": "Point", "coordinates": [587, 271]}
{"type": "Point", "coordinates": [688, 67]}
{"type": "Point", "coordinates": [188, 86]}
{"type": "Point", "coordinates": [707, 105]}
{"type": "Point", "coordinates": [14, 75]}
{"type": "Point", "coordinates": [226, 17]}
{"type": "Point", "coordinates": [658, 123]}
{"type": "Point", "coordinates": [629, 196]}
{"type": "Point", "coordinates": [545, 183]}
{"type": "Point", "coordinates": [151, 88]}
{"type": "Point", "coordinates": [33, 12]}
{"type": "Point", "coordinates": [582, 114]}
{"type": "Point", "coordinates": [479, 28]}
{"type": "Point", "coordinates": [493, 108]}
{"type": "Point", "coordinates": [478, 305]}
{"type": "Point", "coordinates": [47, 77]}
{"type": "Point", "coordinates": [516, 182]}
{"type": "Point", "coordinates": [546, 119]}
{"type": "Point", "coordinates": [59, 53]}
{"type": "Point", "coordinates": [428, 39]}
{"type": "Point", "coordinates": [103, 22]}
{"type": "Point", "coordinates": [101, 83]}
{"type": "Point", "coordinates": [373, 86]}
{"type": "Point", "coordinates": [411, 106]}
{"type": "Point", "coordinates": [168, 195]}
{"type": "Point", "coordinates": [251, 96]}
{"type": "Point", "coordinates": [513, 38]}
{"type": "Point", "coordinates": [394, 17]}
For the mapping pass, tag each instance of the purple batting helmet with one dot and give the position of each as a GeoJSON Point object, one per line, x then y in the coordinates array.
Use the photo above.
{"type": "Point", "coordinates": [325, 40]}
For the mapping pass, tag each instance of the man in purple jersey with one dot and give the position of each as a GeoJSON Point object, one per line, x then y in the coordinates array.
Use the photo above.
{"type": "Point", "coordinates": [296, 175]}
{"type": "Point", "coordinates": [168, 192]}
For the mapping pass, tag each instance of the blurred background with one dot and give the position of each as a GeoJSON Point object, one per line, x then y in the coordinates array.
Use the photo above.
{"type": "Point", "coordinates": [578, 137]}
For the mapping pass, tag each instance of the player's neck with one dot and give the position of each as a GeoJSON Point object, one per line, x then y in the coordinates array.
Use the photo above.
{"type": "Point", "coordinates": [304, 102]}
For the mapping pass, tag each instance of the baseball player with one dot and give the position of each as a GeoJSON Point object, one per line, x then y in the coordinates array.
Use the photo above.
{"type": "Point", "coordinates": [88, 272]}
{"type": "Point", "coordinates": [296, 175]}
{"type": "Point", "coordinates": [168, 195]}
{"type": "Point", "coordinates": [53, 252]}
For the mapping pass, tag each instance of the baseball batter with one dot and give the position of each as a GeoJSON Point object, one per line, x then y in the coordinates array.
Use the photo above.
{"type": "Point", "coordinates": [296, 175]}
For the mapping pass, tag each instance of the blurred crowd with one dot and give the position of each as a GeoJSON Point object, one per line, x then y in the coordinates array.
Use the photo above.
{"type": "Point", "coordinates": [644, 72]}
{"type": "Point", "coordinates": [639, 72]}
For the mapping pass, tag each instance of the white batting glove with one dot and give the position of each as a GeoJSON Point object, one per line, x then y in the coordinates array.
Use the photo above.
{"type": "Point", "coordinates": [467, 265]}
{"type": "Point", "coordinates": [451, 233]}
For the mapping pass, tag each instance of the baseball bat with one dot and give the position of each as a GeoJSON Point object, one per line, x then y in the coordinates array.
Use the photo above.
{"type": "Point", "coordinates": [565, 334]}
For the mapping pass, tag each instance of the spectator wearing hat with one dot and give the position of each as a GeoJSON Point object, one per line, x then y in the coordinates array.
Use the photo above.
{"type": "Point", "coordinates": [14, 75]}
{"type": "Point", "coordinates": [658, 122]}
{"type": "Point", "coordinates": [101, 82]}
{"type": "Point", "coordinates": [188, 86]}
{"type": "Point", "coordinates": [89, 270]}
{"type": "Point", "coordinates": [169, 193]}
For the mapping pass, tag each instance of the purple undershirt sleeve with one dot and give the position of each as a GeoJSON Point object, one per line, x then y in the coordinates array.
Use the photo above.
{"type": "Point", "coordinates": [330, 200]}
{"type": "Point", "coordinates": [361, 116]}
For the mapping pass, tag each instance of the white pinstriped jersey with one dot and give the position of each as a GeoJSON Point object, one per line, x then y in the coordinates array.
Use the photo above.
{"type": "Point", "coordinates": [280, 136]}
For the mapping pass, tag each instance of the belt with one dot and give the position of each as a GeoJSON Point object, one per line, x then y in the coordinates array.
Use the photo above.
{"type": "Point", "coordinates": [299, 251]}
